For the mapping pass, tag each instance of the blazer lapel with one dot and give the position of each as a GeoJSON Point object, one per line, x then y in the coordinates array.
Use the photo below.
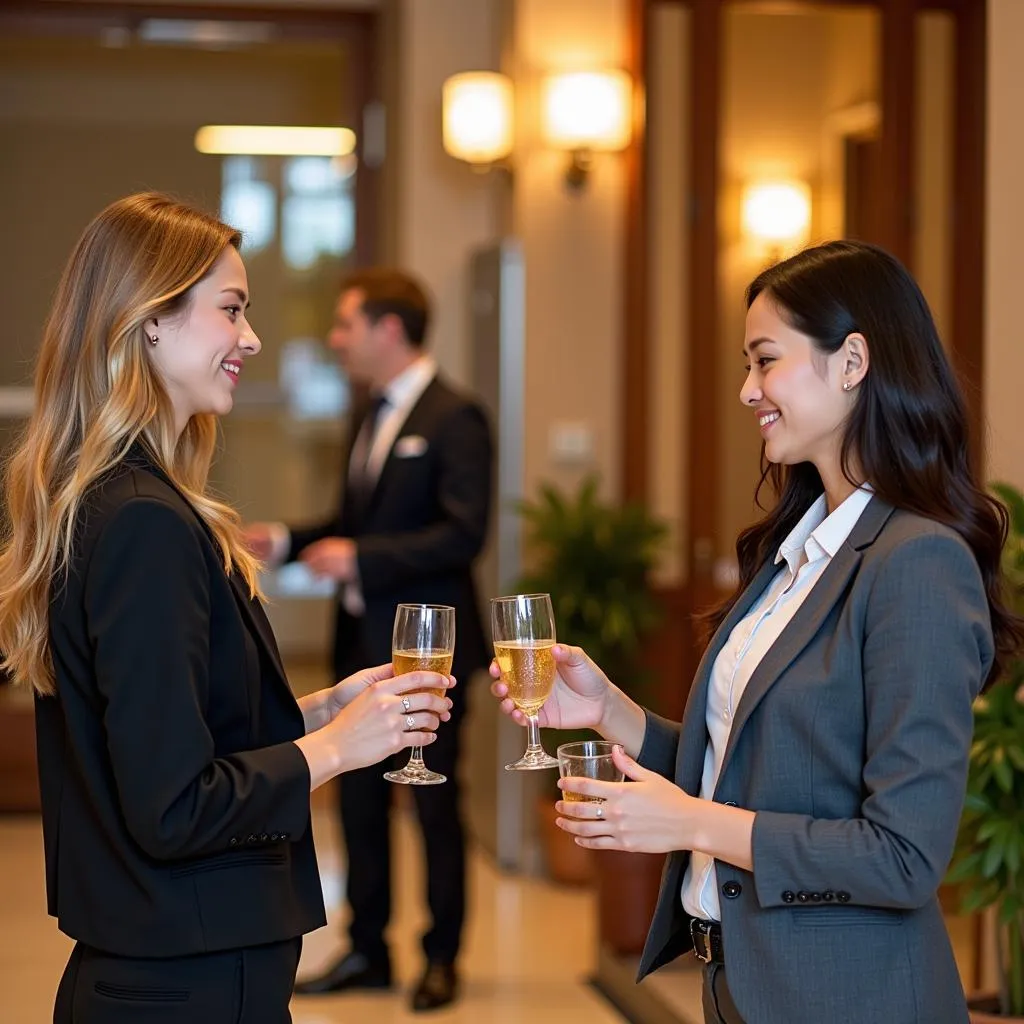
{"type": "Point", "coordinates": [810, 616]}
{"type": "Point", "coordinates": [693, 736]}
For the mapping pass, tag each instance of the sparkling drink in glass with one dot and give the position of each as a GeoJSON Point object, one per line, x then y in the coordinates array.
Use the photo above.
{"type": "Point", "coordinates": [423, 640]}
{"type": "Point", "coordinates": [523, 629]}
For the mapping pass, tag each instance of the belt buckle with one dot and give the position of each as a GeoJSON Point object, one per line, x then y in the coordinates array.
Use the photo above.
{"type": "Point", "coordinates": [700, 939]}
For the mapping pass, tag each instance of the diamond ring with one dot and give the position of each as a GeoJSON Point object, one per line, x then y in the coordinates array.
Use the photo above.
{"type": "Point", "coordinates": [410, 722]}
{"type": "Point", "coordinates": [600, 812]}
{"type": "Point", "coordinates": [406, 704]}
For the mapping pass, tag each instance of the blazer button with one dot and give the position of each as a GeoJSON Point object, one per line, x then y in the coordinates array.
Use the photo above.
{"type": "Point", "coordinates": [802, 896]}
{"type": "Point", "coordinates": [828, 895]}
{"type": "Point", "coordinates": [815, 897]}
{"type": "Point", "coordinates": [843, 897]}
{"type": "Point", "coordinates": [788, 896]}
{"type": "Point", "coordinates": [731, 890]}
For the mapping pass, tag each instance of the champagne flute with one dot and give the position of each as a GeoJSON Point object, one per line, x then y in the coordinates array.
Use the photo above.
{"type": "Point", "coordinates": [523, 629]}
{"type": "Point", "coordinates": [423, 640]}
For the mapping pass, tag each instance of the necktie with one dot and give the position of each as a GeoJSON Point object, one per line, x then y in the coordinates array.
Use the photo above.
{"type": "Point", "coordinates": [369, 430]}
{"type": "Point", "coordinates": [359, 483]}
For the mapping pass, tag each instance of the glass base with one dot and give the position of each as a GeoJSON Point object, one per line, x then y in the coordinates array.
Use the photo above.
{"type": "Point", "coordinates": [533, 760]}
{"type": "Point", "coordinates": [416, 775]}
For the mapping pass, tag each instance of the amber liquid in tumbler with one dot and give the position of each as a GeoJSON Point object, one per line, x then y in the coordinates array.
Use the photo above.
{"type": "Point", "coordinates": [569, 797]}
{"type": "Point", "coordinates": [528, 670]}
{"type": "Point", "coordinates": [423, 661]}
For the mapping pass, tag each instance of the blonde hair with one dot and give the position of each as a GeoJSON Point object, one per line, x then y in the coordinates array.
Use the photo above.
{"type": "Point", "coordinates": [96, 393]}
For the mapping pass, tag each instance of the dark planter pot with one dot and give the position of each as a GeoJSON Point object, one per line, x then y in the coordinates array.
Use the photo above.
{"type": "Point", "coordinates": [984, 1009]}
{"type": "Point", "coordinates": [627, 891]}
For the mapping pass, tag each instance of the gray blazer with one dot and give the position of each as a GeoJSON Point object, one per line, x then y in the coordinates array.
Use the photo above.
{"type": "Point", "coordinates": [851, 743]}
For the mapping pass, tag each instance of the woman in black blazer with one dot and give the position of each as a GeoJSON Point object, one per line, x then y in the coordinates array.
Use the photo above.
{"type": "Point", "coordinates": [175, 764]}
{"type": "Point", "coordinates": [809, 799]}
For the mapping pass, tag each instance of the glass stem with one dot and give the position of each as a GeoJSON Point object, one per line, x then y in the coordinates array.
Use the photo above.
{"type": "Point", "coordinates": [415, 758]}
{"type": "Point", "coordinates": [533, 735]}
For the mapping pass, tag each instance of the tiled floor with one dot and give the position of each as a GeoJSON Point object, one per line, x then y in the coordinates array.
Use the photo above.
{"type": "Point", "coordinates": [529, 945]}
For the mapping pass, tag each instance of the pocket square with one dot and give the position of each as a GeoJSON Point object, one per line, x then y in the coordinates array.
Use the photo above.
{"type": "Point", "coordinates": [410, 447]}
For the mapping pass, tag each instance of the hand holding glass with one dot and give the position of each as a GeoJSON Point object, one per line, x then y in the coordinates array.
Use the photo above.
{"type": "Point", "coordinates": [587, 759]}
{"type": "Point", "coordinates": [523, 629]}
{"type": "Point", "coordinates": [423, 640]}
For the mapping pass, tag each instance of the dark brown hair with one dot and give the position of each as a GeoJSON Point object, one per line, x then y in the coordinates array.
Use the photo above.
{"type": "Point", "coordinates": [908, 428]}
{"type": "Point", "coordinates": [388, 291]}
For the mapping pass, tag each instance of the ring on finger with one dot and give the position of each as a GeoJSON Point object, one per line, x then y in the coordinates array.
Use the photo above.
{"type": "Point", "coordinates": [600, 812]}
{"type": "Point", "coordinates": [406, 705]}
{"type": "Point", "coordinates": [410, 722]}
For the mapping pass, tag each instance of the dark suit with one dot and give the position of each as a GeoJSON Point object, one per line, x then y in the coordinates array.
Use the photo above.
{"type": "Point", "coordinates": [422, 526]}
{"type": "Point", "coordinates": [175, 804]}
{"type": "Point", "coordinates": [851, 744]}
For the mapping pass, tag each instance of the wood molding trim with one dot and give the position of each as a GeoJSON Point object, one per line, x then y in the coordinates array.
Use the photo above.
{"type": "Point", "coordinates": [702, 450]}
{"type": "Point", "coordinates": [635, 443]}
{"type": "Point", "coordinates": [967, 252]}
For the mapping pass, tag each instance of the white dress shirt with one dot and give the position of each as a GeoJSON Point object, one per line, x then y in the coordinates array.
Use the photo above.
{"type": "Point", "coordinates": [401, 394]}
{"type": "Point", "coordinates": [807, 551]}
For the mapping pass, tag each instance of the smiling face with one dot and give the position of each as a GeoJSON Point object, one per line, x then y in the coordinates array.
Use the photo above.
{"type": "Point", "coordinates": [796, 390]}
{"type": "Point", "coordinates": [200, 352]}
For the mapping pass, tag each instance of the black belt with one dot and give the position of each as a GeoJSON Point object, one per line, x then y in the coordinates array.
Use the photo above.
{"type": "Point", "coordinates": [707, 940]}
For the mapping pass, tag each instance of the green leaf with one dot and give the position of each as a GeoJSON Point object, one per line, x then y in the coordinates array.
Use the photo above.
{"type": "Point", "coordinates": [993, 859]}
{"type": "Point", "coordinates": [1002, 770]}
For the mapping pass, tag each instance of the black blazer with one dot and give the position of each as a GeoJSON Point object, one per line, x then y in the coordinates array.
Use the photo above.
{"type": "Point", "coordinates": [175, 804]}
{"type": "Point", "coordinates": [425, 523]}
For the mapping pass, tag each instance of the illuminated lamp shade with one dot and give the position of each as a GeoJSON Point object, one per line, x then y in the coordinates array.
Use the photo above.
{"type": "Point", "coordinates": [589, 110]}
{"type": "Point", "coordinates": [777, 213]}
{"type": "Point", "coordinates": [477, 117]}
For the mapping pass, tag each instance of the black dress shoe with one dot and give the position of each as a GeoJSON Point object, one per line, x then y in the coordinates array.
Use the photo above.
{"type": "Point", "coordinates": [438, 987]}
{"type": "Point", "coordinates": [354, 970]}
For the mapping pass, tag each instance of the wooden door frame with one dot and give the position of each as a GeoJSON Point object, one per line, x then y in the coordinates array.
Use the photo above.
{"type": "Point", "coordinates": [702, 453]}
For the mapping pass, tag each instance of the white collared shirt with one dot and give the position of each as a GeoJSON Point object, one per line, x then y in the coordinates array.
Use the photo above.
{"type": "Point", "coordinates": [401, 394]}
{"type": "Point", "coordinates": [807, 551]}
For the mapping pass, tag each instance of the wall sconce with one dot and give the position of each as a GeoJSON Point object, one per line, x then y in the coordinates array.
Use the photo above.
{"type": "Point", "coordinates": [777, 214]}
{"type": "Point", "coordinates": [586, 112]}
{"type": "Point", "coordinates": [477, 118]}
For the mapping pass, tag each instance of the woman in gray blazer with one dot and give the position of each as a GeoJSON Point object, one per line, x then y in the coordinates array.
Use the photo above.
{"type": "Point", "coordinates": [809, 799]}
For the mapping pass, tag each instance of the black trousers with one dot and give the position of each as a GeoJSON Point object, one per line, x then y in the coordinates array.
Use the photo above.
{"type": "Point", "coordinates": [239, 986]}
{"type": "Point", "coordinates": [365, 799]}
{"type": "Point", "coordinates": [717, 999]}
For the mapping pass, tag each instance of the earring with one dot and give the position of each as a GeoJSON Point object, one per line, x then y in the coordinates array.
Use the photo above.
{"type": "Point", "coordinates": [152, 340]}
{"type": "Point", "coordinates": [846, 386]}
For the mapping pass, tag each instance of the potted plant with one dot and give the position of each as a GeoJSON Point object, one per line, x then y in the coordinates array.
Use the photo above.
{"type": "Point", "coordinates": [988, 862]}
{"type": "Point", "coordinates": [594, 558]}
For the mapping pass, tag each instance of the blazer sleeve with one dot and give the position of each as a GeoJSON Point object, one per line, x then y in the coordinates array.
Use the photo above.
{"type": "Point", "coordinates": [927, 650]}
{"type": "Point", "coordinates": [660, 746]}
{"type": "Point", "coordinates": [148, 611]}
{"type": "Point", "coordinates": [464, 494]}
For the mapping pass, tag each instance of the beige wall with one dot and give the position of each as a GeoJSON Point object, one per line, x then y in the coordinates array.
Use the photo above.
{"type": "Point", "coordinates": [1004, 345]}
{"type": "Point", "coordinates": [572, 246]}
{"type": "Point", "coordinates": [444, 210]}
